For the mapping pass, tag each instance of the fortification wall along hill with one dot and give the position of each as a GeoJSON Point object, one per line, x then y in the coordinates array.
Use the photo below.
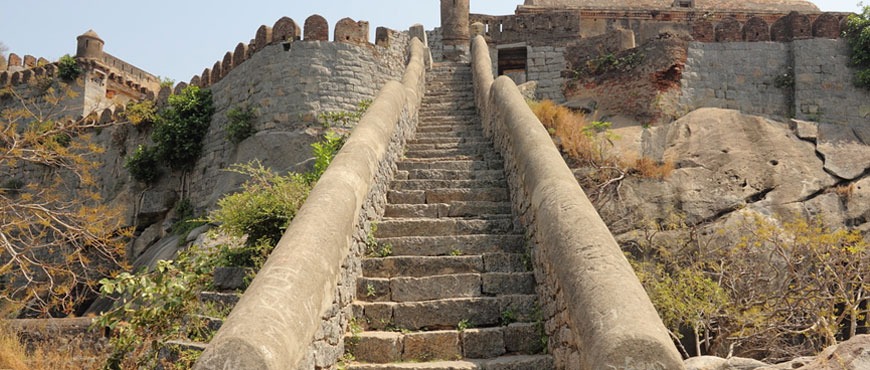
{"type": "Point", "coordinates": [809, 79]}
{"type": "Point", "coordinates": [288, 81]}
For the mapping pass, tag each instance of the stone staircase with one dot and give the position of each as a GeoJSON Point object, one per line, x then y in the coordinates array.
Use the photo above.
{"type": "Point", "coordinates": [447, 284]}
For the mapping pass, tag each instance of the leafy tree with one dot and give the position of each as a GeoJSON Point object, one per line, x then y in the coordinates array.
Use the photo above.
{"type": "Point", "coordinates": [182, 126]}
{"type": "Point", "coordinates": [57, 239]}
{"type": "Point", "coordinates": [857, 33]}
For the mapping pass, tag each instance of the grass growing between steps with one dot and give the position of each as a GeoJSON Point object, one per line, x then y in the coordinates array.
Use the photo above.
{"type": "Point", "coordinates": [162, 305]}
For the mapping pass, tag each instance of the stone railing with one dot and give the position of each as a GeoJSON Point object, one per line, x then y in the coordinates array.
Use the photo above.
{"type": "Point", "coordinates": [296, 311]}
{"type": "Point", "coordinates": [597, 314]}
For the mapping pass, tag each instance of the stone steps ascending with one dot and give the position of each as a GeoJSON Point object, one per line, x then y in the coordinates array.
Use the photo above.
{"type": "Point", "coordinates": [448, 285]}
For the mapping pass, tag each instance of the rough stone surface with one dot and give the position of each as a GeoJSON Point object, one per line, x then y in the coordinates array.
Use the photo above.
{"type": "Point", "coordinates": [726, 160]}
{"type": "Point", "coordinates": [846, 154]}
{"type": "Point", "coordinates": [434, 345]}
{"type": "Point", "coordinates": [853, 354]}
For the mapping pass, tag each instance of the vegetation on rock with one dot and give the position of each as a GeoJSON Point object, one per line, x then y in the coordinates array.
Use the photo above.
{"type": "Point", "coordinates": [68, 68]}
{"type": "Point", "coordinates": [240, 124]}
{"type": "Point", "coordinates": [157, 306]}
{"type": "Point", "coordinates": [857, 33]}
{"type": "Point", "coordinates": [178, 133]}
{"type": "Point", "coordinates": [587, 143]}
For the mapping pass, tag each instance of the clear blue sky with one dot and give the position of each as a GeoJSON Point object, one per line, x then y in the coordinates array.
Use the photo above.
{"type": "Point", "coordinates": [180, 38]}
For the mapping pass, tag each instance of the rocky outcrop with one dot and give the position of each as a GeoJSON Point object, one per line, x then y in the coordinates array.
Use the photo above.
{"type": "Point", "coordinates": [726, 161]}
{"type": "Point", "coordinates": [853, 354]}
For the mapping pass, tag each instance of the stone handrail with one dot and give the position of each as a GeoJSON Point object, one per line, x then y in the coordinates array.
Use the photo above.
{"type": "Point", "coordinates": [610, 317]}
{"type": "Point", "coordinates": [277, 318]}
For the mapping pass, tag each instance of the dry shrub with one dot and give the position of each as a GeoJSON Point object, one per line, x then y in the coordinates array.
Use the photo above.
{"type": "Point", "coordinates": [586, 140]}
{"type": "Point", "coordinates": [651, 169]}
{"type": "Point", "coordinates": [570, 129]}
{"type": "Point", "coordinates": [845, 191]}
{"type": "Point", "coordinates": [15, 355]}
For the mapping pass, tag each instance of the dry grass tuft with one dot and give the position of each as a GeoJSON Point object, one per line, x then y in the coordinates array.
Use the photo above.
{"type": "Point", "coordinates": [648, 168]}
{"type": "Point", "coordinates": [586, 141]}
{"type": "Point", "coordinates": [15, 355]}
{"type": "Point", "coordinates": [845, 191]}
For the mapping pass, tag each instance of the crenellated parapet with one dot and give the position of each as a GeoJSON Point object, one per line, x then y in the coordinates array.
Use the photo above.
{"type": "Point", "coordinates": [565, 25]}
{"type": "Point", "coordinates": [286, 31]}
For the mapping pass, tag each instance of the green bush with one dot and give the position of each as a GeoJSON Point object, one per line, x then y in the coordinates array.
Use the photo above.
{"type": "Point", "coordinates": [240, 124]}
{"type": "Point", "coordinates": [264, 207]}
{"type": "Point", "coordinates": [182, 126]}
{"type": "Point", "coordinates": [68, 68]}
{"type": "Point", "coordinates": [857, 34]}
{"type": "Point", "coordinates": [144, 164]}
{"type": "Point", "coordinates": [324, 152]}
{"type": "Point", "coordinates": [344, 118]}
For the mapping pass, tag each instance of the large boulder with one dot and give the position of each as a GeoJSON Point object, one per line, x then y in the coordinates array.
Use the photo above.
{"type": "Point", "coordinates": [717, 363]}
{"type": "Point", "coordinates": [853, 354]}
{"type": "Point", "coordinates": [725, 161]}
{"type": "Point", "coordinates": [846, 149]}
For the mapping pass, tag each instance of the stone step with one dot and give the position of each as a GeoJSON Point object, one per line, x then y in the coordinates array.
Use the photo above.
{"type": "Point", "coordinates": [522, 362]}
{"type": "Point", "coordinates": [435, 146]}
{"type": "Point", "coordinates": [470, 134]}
{"type": "Point", "coordinates": [448, 195]}
{"type": "Point", "coordinates": [457, 165]}
{"type": "Point", "coordinates": [454, 209]}
{"type": "Point", "coordinates": [452, 154]}
{"type": "Point", "coordinates": [458, 245]}
{"type": "Point", "coordinates": [490, 175]}
{"type": "Point", "coordinates": [430, 184]}
{"type": "Point", "coordinates": [458, 129]}
{"type": "Point", "coordinates": [422, 266]}
{"type": "Point", "coordinates": [450, 140]}
{"type": "Point", "coordinates": [390, 228]}
{"type": "Point", "coordinates": [446, 314]}
{"type": "Point", "coordinates": [384, 347]}
{"type": "Point", "coordinates": [427, 288]}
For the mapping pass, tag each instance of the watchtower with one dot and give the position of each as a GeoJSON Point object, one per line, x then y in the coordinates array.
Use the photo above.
{"type": "Point", "coordinates": [454, 29]}
{"type": "Point", "coordinates": [90, 46]}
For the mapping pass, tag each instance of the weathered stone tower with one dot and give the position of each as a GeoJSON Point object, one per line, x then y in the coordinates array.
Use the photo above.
{"type": "Point", "coordinates": [454, 28]}
{"type": "Point", "coordinates": [90, 46]}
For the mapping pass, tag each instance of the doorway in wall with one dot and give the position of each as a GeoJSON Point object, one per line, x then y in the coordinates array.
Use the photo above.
{"type": "Point", "coordinates": [512, 63]}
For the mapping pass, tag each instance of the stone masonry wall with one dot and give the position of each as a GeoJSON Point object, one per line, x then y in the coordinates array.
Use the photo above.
{"type": "Point", "coordinates": [436, 47]}
{"type": "Point", "coordinates": [809, 79]}
{"type": "Point", "coordinates": [737, 75]}
{"type": "Point", "coordinates": [824, 90]}
{"type": "Point", "coordinates": [288, 86]}
{"type": "Point", "coordinates": [545, 65]}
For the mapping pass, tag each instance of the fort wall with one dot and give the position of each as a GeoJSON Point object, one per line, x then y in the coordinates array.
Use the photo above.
{"type": "Point", "coordinates": [288, 85]}
{"type": "Point", "coordinates": [808, 79]}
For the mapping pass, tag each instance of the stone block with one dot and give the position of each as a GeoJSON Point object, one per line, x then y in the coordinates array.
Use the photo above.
{"type": "Point", "coordinates": [508, 283]}
{"type": "Point", "coordinates": [504, 262]}
{"type": "Point", "coordinates": [379, 315]}
{"type": "Point", "coordinates": [435, 287]}
{"type": "Point", "coordinates": [483, 343]}
{"type": "Point", "coordinates": [523, 338]}
{"type": "Point", "coordinates": [373, 290]}
{"type": "Point", "coordinates": [434, 345]}
{"type": "Point", "coordinates": [375, 347]}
